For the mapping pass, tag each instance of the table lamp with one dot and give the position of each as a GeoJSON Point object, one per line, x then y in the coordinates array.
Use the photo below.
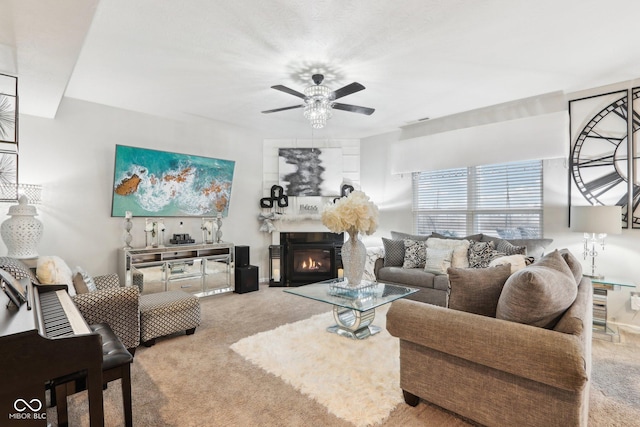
{"type": "Point", "coordinates": [595, 222]}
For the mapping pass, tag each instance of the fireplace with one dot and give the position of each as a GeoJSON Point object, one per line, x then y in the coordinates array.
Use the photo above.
{"type": "Point", "coordinates": [309, 257]}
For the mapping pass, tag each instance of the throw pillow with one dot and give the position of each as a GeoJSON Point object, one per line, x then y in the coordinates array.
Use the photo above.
{"type": "Point", "coordinates": [460, 250]}
{"type": "Point", "coordinates": [508, 249]}
{"type": "Point", "coordinates": [17, 269]}
{"type": "Point", "coordinates": [475, 237]}
{"type": "Point", "coordinates": [539, 294]}
{"type": "Point", "coordinates": [414, 253]}
{"type": "Point", "coordinates": [518, 262]}
{"type": "Point", "coordinates": [397, 235]}
{"type": "Point", "coordinates": [437, 260]}
{"type": "Point", "coordinates": [84, 280]}
{"type": "Point", "coordinates": [52, 270]}
{"type": "Point", "coordinates": [393, 252]}
{"type": "Point", "coordinates": [480, 254]}
{"type": "Point", "coordinates": [477, 290]}
{"type": "Point", "coordinates": [574, 264]}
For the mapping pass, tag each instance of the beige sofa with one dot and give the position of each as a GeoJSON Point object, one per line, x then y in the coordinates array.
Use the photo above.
{"type": "Point", "coordinates": [497, 372]}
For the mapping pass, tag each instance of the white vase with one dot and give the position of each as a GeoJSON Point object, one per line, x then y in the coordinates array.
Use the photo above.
{"type": "Point", "coordinates": [354, 257]}
{"type": "Point", "coordinates": [22, 232]}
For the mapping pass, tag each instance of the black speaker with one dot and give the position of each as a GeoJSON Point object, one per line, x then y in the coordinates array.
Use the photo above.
{"type": "Point", "coordinates": [242, 256]}
{"type": "Point", "coordinates": [246, 279]}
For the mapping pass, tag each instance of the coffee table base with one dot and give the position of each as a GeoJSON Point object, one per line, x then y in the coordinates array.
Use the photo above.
{"type": "Point", "coordinates": [353, 324]}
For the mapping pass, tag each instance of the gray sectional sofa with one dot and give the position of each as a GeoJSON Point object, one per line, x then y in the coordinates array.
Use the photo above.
{"type": "Point", "coordinates": [434, 287]}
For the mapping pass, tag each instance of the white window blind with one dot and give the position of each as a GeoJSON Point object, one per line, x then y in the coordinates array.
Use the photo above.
{"type": "Point", "coordinates": [500, 200]}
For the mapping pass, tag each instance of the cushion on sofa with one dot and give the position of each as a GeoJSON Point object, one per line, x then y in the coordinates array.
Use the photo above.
{"type": "Point", "coordinates": [83, 281]}
{"type": "Point", "coordinates": [477, 290]}
{"type": "Point", "coordinates": [535, 247]}
{"type": "Point", "coordinates": [459, 250]}
{"type": "Point", "coordinates": [393, 252]}
{"type": "Point", "coordinates": [480, 254]}
{"type": "Point", "coordinates": [52, 270]}
{"type": "Point", "coordinates": [414, 253]}
{"type": "Point", "coordinates": [518, 262]}
{"type": "Point", "coordinates": [17, 269]}
{"type": "Point", "coordinates": [437, 261]}
{"type": "Point", "coordinates": [474, 237]}
{"type": "Point", "coordinates": [398, 235]}
{"type": "Point", "coordinates": [538, 294]}
{"type": "Point", "coordinates": [574, 264]}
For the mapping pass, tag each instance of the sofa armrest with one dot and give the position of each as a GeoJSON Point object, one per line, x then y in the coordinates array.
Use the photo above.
{"type": "Point", "coordinates": [118, 307]}
{"type": "Point", "coordinates": [553, 358]}
{"type": "Point", "coordinates": [107, 281]}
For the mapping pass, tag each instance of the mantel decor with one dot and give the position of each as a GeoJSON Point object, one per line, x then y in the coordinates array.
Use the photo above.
{"type": "Point", "coordinates": [353, 214]}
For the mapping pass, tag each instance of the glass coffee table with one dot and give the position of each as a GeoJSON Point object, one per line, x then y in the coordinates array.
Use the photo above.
{"type": "Point", "coordinates": [353, 309]}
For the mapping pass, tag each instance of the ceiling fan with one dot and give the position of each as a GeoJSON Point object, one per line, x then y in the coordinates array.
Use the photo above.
{"type": "Point", "coordinates": [319, 100]}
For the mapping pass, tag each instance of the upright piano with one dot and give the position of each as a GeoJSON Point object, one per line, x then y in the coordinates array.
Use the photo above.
{"type": "Point", "coordinates": [40, 340]}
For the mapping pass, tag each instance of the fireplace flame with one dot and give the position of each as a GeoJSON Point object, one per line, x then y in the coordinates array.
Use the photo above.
{"type": "Point", "coordinates": [311, 265]}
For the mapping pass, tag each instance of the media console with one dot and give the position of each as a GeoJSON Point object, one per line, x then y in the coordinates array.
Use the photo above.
{"type": "Point", "coordinates": [200, 269]}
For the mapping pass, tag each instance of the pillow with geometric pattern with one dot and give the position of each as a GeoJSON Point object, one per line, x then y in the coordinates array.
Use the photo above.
{"type": "Point", "coordinates": [415, 253]}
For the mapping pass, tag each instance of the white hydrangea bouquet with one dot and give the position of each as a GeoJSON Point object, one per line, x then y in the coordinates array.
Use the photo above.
{"type": "Point", "coordinates": [352, 214]}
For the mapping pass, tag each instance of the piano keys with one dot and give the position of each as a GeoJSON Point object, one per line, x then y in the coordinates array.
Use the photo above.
{"type": "Point", "coordinates": [37, 345]}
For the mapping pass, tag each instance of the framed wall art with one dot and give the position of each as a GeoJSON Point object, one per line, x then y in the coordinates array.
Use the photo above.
{"type": "Point", "coordinates": [8, 110]}
{"type": "Point", "coordinates": [8, 177]}
{"type": "Point", "coordinates": [600, 170]}
{"type": "Point", "coordinates": [154, 183]}
{"type": "Point", "coordinates": [310, 171]}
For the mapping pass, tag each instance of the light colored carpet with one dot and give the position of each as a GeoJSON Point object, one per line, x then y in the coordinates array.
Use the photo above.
{"type": "Point", "coordinates": [357, 380]}
{"type": "Point", "coordinates": [199, 381]}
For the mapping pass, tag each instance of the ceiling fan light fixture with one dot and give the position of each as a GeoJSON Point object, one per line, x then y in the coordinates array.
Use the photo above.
{"type": "Point", "coordinates": [317, 112]}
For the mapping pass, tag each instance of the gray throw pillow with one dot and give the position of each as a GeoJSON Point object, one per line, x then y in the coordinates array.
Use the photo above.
{"type": "Point", "coordinates": [393, 252]}
{"type": "Point", "coordinates": [477, 290]}
{"type": "Point", "coordinates": [397, 235]}
{"type": "Point", "coordinates": [474, 237]}
{"type": "Point", "coordinates": [415, 253]}
{"type": "Point", "coordinates": [574, 264]}
{"type": "Point", "coordinates": [539, 294]}
{"type": "Point", "coordinates": [510, 249]}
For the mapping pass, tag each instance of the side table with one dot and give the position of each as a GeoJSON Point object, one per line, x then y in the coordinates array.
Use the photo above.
{"type": "Point", "coordinates": [601, 288]}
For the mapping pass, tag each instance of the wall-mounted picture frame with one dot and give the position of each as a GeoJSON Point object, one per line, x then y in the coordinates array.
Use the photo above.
{"type": "Point", "coordinates": [305, 172]}
{"type": "Point", "coordinates": [8, 177]}
{"type": "Point", "coordinates": [8, 109]}
{"type": "Point", "coordinates": [153, 183]}
{"type": "Point", "coordinates": [599, 164]}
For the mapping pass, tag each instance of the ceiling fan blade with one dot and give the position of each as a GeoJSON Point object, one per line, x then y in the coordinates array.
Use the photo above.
{"type": "Point", "coordinates": [283, 109]}
{"type": "Point", "coordinates": [289, 91]}
{"type": "Point", "coordinates": [347, 90]}
{"type": "Point", "coordinates": [353, 108]}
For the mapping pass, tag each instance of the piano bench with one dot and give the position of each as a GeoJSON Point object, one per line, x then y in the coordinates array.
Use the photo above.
{"type": "Point", "coordinates": [116, 364]}
{"type": "Point", "coordinates": [165, 313]}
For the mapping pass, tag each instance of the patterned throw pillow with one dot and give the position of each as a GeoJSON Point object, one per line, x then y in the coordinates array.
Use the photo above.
{"type": "Point", "coordinates": [510, 249]}
{"type": "Point", "coordinates": [85, 281]}
{"type": "Point", "coordinates": [438, 260]}
{"type": "Point", "coordinates": [481, 254]}
{"type": "Point", "coordinates": [17, 269]}
{"type": "Point", "coordinates": [415, 254]}
{"type": "Point", "coordinates": [393, 252]}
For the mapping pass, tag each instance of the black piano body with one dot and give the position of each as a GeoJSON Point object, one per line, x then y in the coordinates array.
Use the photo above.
{"type": "Point", "coordinates": [29, 358]}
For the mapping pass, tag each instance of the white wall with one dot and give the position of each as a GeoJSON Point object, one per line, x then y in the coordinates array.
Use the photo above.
{"type": "Point", "coordinates": [73, 158]}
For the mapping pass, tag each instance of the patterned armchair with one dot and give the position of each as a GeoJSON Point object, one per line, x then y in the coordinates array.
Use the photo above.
{"type": "Point", "coordinates": [115, 305]}
{"type": "Point", "coordinates": [111, 303]}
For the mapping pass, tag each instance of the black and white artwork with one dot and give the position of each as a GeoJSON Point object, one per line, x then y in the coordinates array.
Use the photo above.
{"type": "Point", "coordinates": [310, 171]}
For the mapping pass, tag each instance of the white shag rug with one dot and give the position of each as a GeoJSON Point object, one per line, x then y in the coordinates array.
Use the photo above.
{"type": "Point", "coordinates": [356, 380]}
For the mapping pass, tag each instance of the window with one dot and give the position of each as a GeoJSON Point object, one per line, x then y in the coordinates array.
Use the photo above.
{"type": "Point", "coordinates": [502, 200]}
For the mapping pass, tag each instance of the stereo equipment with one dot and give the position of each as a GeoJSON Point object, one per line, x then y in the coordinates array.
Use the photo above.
{"type": "Point", "coordinates": [242, 256]}
{"type": "Point", "coordinates": [246, 279]}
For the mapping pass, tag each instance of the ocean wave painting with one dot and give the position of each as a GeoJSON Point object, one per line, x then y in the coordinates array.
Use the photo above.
{"type": "Point", "coordinates": [159, 183]}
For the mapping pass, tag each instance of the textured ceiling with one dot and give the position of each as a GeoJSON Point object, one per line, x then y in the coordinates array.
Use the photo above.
{"type": "Point", "coordinates": [203, 60]}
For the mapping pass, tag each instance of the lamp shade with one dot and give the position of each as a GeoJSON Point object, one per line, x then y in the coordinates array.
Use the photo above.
{"type": "Point", "coordinates": [596, 219]}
